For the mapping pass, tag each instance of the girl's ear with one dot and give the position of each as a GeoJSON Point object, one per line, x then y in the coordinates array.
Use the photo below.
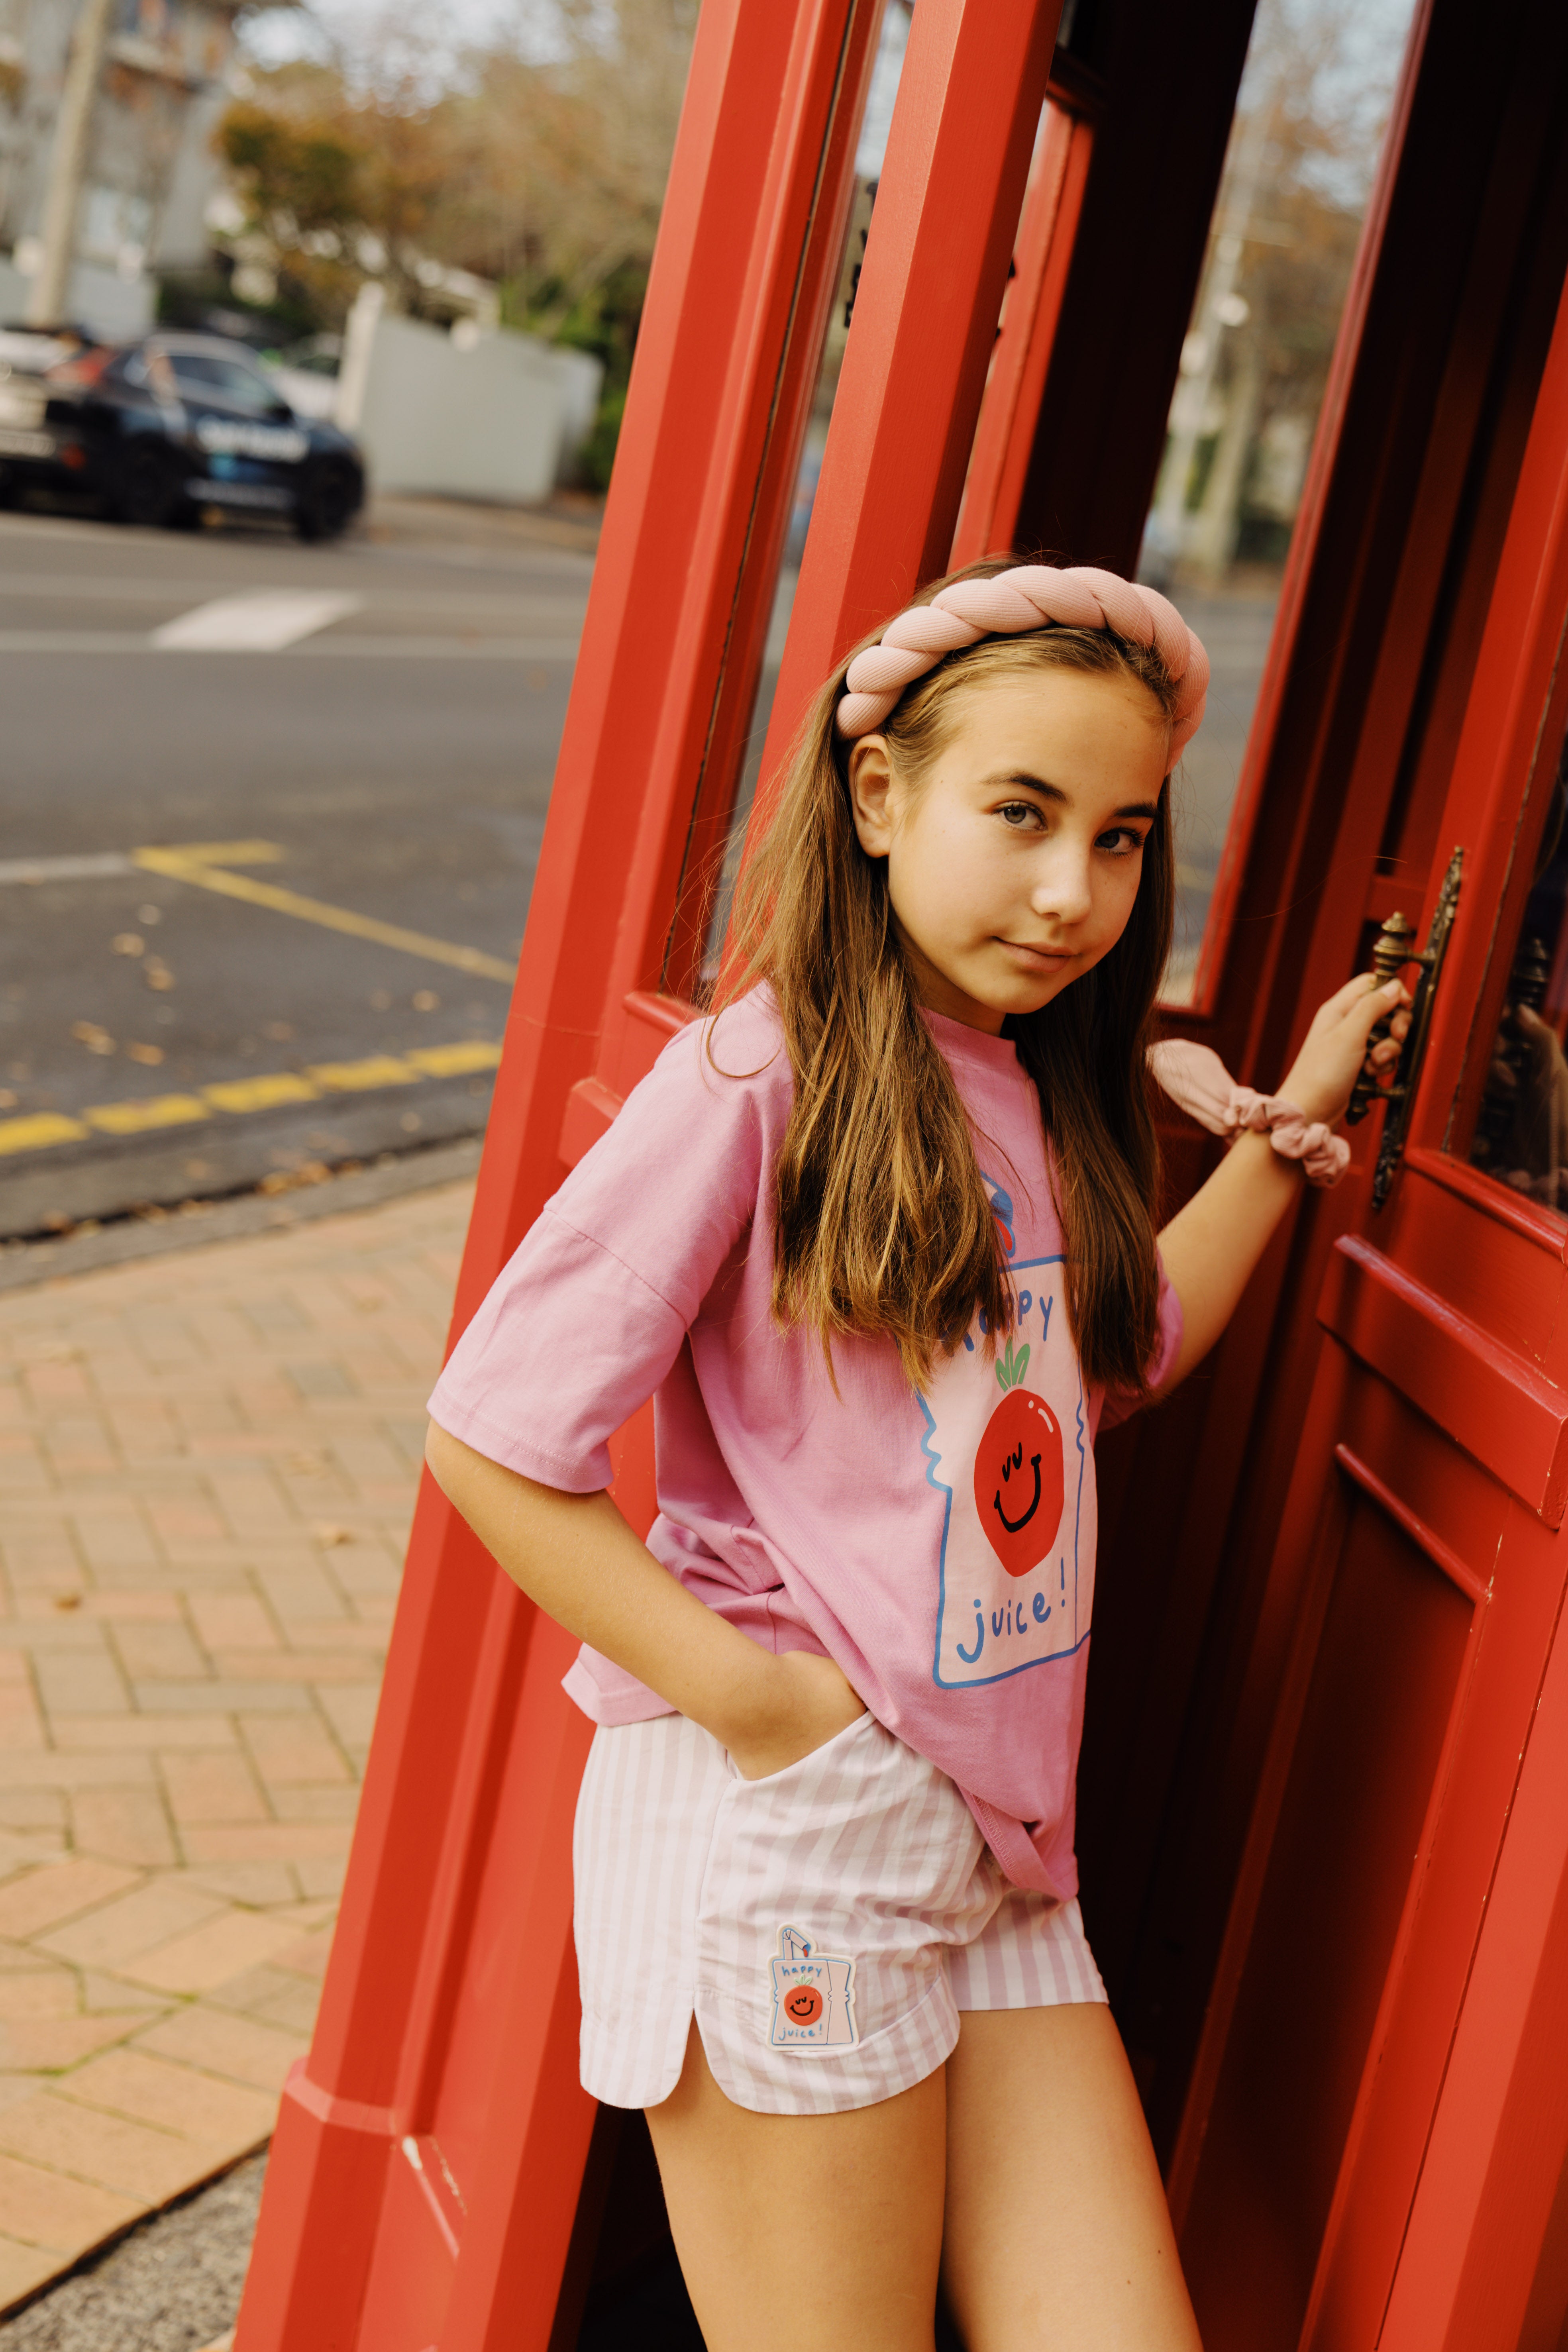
{"type": "Point", "coordinates": [873, 792]}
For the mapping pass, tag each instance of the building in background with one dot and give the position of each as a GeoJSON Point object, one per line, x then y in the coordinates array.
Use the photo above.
{"type": "Point", "coordinates": [148, 171]}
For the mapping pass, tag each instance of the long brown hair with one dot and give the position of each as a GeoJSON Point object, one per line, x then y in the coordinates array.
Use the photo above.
{"type": "Point", "coordinates": [883, 1225]}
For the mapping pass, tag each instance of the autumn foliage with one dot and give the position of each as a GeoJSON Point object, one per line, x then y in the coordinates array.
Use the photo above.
{"type": "Point", "coordinates": [535, 165]}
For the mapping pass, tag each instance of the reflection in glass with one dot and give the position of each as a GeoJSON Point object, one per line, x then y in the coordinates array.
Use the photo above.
{"type": "Point", "coordinates": [1521, 1126]}
{"type": "Point", "coordinates": [1298, 171]}
{"type": "Point", "coordinates": [874, 128]}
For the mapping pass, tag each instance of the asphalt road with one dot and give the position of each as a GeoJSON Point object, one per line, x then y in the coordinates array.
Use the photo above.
{"type": "Point", "coordinates": [269, 820]}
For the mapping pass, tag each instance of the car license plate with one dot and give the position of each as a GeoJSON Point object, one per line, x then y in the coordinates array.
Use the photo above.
{"type": "Point", "coordinates": [15, 443]}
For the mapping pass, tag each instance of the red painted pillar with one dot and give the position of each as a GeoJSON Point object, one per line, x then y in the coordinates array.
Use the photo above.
{"type": "Point", "coordinates": [1004, 437]}
{"type": "Point", "coordinates": [429, 2152]}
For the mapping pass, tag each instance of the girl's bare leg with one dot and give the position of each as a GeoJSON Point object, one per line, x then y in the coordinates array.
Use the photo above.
{"type": "Point", "coordinates": [819, 2230]}
{"type": "Point", "coordinates": [1057, 2237]}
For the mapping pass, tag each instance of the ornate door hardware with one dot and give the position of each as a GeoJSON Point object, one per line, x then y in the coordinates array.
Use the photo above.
{"type": "Point", "coordinates": [1390, 955]}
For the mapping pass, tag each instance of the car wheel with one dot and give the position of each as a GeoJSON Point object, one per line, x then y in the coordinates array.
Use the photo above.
{"type": "Point", "coordinates": [149, 490]}
{"type": "Point", "coordinates": [327, 504]}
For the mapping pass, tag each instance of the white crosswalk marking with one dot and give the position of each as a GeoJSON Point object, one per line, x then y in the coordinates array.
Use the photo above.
{"type": "Point", "coordinates": [263, 622]}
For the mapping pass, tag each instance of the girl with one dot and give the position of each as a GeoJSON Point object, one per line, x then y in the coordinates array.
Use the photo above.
{"type": "Point", "coordinates": [879, 1239]}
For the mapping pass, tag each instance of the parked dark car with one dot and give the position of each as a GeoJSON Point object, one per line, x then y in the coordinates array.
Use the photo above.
{"type": "Point", "coordinates": [155, 431]}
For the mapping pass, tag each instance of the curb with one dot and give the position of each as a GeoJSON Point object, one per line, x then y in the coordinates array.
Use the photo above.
{"type": "Point", "coordinates": [206, 1222]}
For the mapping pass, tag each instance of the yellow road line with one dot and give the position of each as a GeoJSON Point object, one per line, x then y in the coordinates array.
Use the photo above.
{"type": "Point", "coordinates": [380, 1070]}
{"type": "Point", "coordinates": [453, 1061]}
{"type": "Point", "coordinates": [41, 1129]}
{"type": "Point", "coordinates": [37, 1133]}
{"type": "Point", "coordinates": [193, 863]}
{"type": "Point", "coordinates": [228, 852]}
{"type": "Point", "coordinates": [156, 1110]}
{"type": "Point", "coordinates": [261, 1094]}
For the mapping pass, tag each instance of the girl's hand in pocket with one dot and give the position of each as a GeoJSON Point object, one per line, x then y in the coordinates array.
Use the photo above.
{"type": "Point", "coordinates": [807, 1702]}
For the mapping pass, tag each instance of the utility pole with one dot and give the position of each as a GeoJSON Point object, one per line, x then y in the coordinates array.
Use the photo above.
{"type": "Point", "coordinates": [67, 160]}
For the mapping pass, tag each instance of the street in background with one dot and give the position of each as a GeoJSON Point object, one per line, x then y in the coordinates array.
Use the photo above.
{"type": "Point", "coordinates": [269, 819]}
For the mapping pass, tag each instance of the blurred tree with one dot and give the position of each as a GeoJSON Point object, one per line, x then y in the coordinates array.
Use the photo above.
{"type": "Point", "coordinates": [1282, 249]}
{"type": "Point", "coordinates": [536, 162]}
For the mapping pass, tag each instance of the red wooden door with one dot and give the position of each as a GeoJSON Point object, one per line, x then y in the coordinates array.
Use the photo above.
{"type": "Point", "coordinates": [1378, 2118]}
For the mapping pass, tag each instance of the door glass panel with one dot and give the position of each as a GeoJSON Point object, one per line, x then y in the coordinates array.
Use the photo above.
{"type": "Point", "coordinates": [1511, 1118]}
{"type": "Point", "coordinates": [1298, 174]}
{"type": "Point", "coordinates": [875, 127]}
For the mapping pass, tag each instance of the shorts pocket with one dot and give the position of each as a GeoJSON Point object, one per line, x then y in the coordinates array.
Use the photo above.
{"type": "Point", "coordinates": [772, 1780]}
{"type": "Point", "coordinates": [863, 1849]}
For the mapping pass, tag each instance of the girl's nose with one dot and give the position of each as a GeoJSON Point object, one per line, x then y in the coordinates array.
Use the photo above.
{"type": "Point", "coordinates": [1063, 890]}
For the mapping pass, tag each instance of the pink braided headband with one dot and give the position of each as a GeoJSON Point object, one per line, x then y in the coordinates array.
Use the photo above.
{"type": "Point", "coordinates": [1030, 596]}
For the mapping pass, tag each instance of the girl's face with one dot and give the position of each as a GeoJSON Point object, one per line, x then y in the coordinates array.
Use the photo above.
{"type": "Point", "coordinates": [1014, 862]}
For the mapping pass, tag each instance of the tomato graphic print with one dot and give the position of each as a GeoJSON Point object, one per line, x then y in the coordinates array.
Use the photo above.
{"type": "Point", "coordinates": [1019, 1478]}
{"type": "Point", "coordinates": [803, 2004]}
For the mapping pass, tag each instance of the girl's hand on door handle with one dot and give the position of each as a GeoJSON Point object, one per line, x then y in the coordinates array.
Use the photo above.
{"type": "Point", "coordinates": [1319, 1079]}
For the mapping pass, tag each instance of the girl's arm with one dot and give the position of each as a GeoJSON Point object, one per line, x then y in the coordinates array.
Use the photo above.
{"type": "Point", "coordinates": [577, 1558]}
{"type": "Point", "coordinates": [1212, 1245]}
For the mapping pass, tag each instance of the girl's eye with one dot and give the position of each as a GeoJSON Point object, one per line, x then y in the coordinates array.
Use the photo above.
{"type": "Point", "coordinates": [1020, 814]}
{"type": "Point", "coordinates": [1121, 841]}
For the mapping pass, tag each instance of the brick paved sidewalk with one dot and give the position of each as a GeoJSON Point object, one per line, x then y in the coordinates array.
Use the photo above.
{"type": "Point", "coordinates": [207, 1466]}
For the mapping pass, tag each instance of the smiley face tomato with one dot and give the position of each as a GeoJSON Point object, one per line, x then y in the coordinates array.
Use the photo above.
{"type": "Point", "coordinates": [1018, 1474]}
{"type": "Point", "coordinates": [803, 2004]}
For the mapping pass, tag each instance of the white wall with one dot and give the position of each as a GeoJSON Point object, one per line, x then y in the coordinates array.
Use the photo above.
{"type": "Point", "coordinates": [118, 309]}
{"type": "Point", "coordinates": [475, 415]}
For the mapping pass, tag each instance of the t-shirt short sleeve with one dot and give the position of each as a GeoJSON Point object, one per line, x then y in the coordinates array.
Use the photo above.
{"type": "Point", "coordinates": [589, 1315]}
{"type": "Point", "coordinates": [1120, 1403]}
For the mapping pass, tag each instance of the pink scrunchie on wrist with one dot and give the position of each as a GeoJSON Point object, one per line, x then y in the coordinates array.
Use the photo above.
{"type": "Point", "coordinates": [1197, 1080]}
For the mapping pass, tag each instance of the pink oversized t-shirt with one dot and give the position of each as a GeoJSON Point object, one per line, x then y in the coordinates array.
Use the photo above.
{"type": "Point", "coordinates": [939, 1547]}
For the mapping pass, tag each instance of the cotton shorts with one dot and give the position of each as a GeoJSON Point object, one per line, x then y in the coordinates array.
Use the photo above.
{"type": "Point", "coordinates": [826, 1924]}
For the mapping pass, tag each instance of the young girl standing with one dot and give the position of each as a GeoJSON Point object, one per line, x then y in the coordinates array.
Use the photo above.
{"type": "Point", "coordinates": [879, 1239]}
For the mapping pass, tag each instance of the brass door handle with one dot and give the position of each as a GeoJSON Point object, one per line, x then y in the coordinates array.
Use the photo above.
{"type": "Point", "coordinates": [1392, 952]}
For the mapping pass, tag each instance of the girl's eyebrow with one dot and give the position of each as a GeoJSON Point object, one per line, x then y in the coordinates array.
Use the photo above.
{"type": "Point", "coordinates": [1063, 799]}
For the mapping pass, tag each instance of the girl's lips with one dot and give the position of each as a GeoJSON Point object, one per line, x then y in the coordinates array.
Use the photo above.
{"type": "Point", "coordinates": [1042, 959]}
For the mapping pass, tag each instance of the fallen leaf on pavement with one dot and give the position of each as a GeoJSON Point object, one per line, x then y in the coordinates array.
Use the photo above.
{"type": "Point", "coordinates": [156, 973]}
{"type": "Point", "coordinates": [88, 1033]}
{"type": "Point", "coordinates": [151, 1055]}
{"type": "Point", "coordinates": [128, 943]}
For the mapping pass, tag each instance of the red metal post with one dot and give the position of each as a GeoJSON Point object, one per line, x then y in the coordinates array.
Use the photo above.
{"type": "Point", "coordinates": [473, 1730]}
{"type": "Point", "coordinates": [925, 321]}
{"type": "Point", "coordinates": [1500, 2139]}
{"type": "Point", "coordinates": [428, 2155]}
{"type": "Point", "coordinates": [1005, 437]}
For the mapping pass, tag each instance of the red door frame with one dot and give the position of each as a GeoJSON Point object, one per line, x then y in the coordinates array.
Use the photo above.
{"type": "Point", "coordinates": [457, 1910]}
{"type": "Point", "coordinates": [1192, 1644]}
{"type": "Point", "coordinates": [1450, 2168]}
{"type": "Point", "coordinates": [367, 2235]}
{"type": "Point", "coordinates": [471, 1711]}
{"type": "Point", "coordinates": [1005, 435]}
{"type": "Point", "coordinates": [1499, 2137]}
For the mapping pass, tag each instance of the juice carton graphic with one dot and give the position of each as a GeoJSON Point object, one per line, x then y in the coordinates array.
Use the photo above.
{"type": "Point", "coordinates": [1006, 1446]}
{"type": "Point", "coordinates": [813, 1999]}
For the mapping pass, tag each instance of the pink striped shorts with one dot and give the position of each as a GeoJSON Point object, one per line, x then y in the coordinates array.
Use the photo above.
{"type": "Point", "coordinates": [827, 1926]}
